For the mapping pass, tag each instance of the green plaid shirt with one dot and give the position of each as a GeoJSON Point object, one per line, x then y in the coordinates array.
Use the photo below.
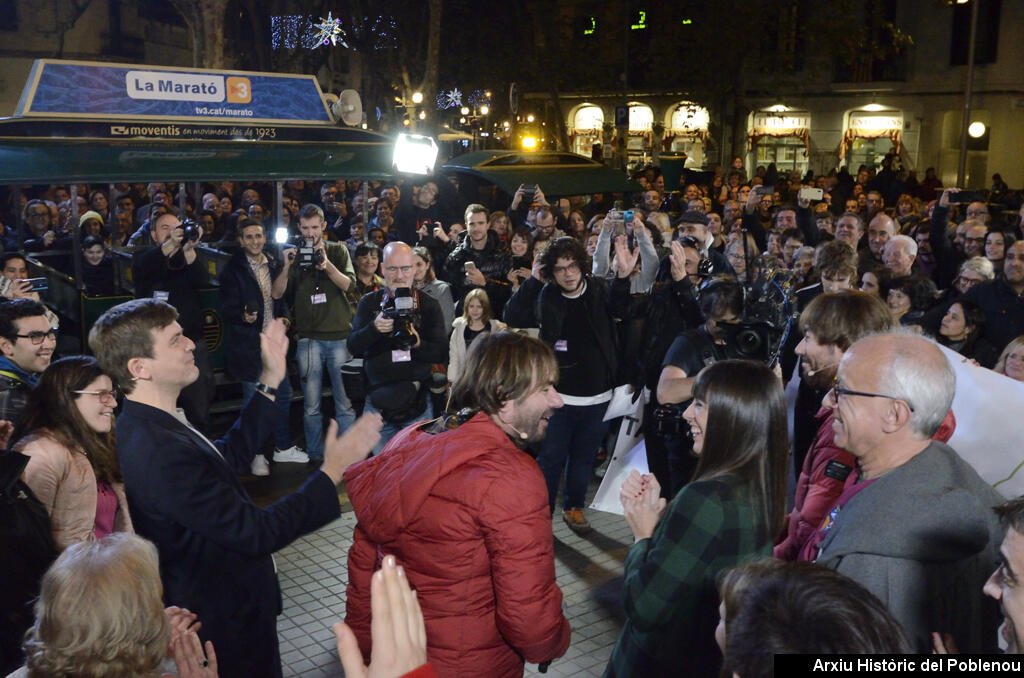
{"type": "Point", "coordinates": [670, 596]}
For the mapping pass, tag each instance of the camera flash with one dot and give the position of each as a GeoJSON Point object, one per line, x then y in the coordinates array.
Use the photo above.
{"type": "Point", "coordinates": [281, 235]}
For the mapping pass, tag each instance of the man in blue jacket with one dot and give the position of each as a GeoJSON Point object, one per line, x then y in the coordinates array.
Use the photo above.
{"type": "Point", "coordinates": [215, 545]}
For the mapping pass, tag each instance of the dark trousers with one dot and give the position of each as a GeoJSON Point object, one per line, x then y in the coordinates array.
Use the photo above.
{"type": "Point", "coordinates": [573, 437]}
{"type": "Point", "coordinates": [657, 452]}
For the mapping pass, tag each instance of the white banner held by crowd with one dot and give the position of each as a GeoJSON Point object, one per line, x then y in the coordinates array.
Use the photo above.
{"type": "Point", "coordinates": [630, 452]}
{"type": "Point", "coordinates": [989, 425]}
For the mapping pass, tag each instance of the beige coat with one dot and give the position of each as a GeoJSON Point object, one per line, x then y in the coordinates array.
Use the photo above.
{"type": "Point", "coordinates": [457, 348]}
{"type": "Point", "coordinates": [65, 483]}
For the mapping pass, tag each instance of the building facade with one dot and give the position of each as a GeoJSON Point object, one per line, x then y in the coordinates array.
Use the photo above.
{"type": "Point", "coordinates": [845, 114]}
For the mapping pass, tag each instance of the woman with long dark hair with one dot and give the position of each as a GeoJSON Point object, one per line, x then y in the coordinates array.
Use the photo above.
{"type": "Point", "coordinates": [68, 433]}
{"type": "Point", "coordinates": [963, 330]}
{"type": "Point", "coordinates": [729, 513]}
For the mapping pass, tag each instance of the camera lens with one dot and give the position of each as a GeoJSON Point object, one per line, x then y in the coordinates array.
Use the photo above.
{"type": "Point", "coordinates": [749, 342]}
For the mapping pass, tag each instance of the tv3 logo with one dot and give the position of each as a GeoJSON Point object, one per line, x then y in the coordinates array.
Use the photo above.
{"type": "Point", "coordinates": [239, 90]}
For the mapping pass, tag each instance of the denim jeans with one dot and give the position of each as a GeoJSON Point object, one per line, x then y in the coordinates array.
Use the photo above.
{"type": "Point", "coordinates": [313, 355]}
{"type": "Point", "coordinates": [283, 401]}
{"type": "Point", "coordinates": [390, 430]}
{"type": "Point", "coordinates": [569, 448]}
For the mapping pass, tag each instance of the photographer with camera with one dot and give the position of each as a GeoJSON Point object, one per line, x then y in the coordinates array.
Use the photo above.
{"type": "Point", "coordinates": [399, 333]}
{"type": "Point", "coordinates": [432, 201]}
{"type": "Point", "coordinates": [171, 271]}
{"type": "Point", "coordinates": [318, 274]}
{"type": "Point", "coordinates": [721, 304]}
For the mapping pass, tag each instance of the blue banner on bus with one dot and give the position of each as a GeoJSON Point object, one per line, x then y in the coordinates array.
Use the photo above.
{"type": "Point", "coordinates": [71, 88]}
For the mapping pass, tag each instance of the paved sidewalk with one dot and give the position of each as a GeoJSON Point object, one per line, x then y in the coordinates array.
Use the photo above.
{"type": "Point", "coordinates": [313, 575]}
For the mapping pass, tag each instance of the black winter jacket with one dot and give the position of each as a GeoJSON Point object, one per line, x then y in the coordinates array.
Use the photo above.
{"type": "Point", "coordinates": [492, 261]}
{"type": "Point", "coordinates": [536, 304]}
{"type": "Point", "coordinates": [238, 287]}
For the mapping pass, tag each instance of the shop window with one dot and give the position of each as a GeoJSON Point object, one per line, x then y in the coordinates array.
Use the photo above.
{"type": "Point", "coordinates": [641, 118]}
{"type": "Point", "coordinates": [868, 152]}
{"type": "Point", "coordinates": [588, 118]}
{"type": "Point", "coordinates": [788, 153]}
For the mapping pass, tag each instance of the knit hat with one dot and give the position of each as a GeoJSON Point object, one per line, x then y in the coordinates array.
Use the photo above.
{"type": "Point", "coordinates": [90, 215]}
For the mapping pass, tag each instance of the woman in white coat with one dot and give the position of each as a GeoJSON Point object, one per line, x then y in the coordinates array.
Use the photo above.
{"type": "Point", "coordinates": [475, 320]}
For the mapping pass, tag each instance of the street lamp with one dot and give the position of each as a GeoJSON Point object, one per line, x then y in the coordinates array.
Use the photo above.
{"type": "Point", "coordinates": [485, 109]}
{"type": "Point", "coordinates": [417, 97]}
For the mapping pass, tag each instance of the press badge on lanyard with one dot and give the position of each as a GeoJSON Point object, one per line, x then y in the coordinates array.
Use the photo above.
{"type": "Point", "coordinates": [161, 295]}
{"type": "Point", "coordinates": [401, 356]}
{"type": "Point", "coordinates": [319, 298]}
{"type": "Point", "coordinates": [562, 346]}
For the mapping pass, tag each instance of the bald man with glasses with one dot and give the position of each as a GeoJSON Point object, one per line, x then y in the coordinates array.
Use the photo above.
{"type": "Point", "coordinates": [398, 353]}
{"type": "Point", "coordinates": [916, 528]}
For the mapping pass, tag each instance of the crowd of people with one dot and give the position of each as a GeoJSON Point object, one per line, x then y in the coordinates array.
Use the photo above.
{"type": "Point", "coordinates": [472, 348]}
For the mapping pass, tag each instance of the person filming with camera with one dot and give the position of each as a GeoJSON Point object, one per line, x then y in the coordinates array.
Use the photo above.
{"type": "Point", "coordinates": [171, 271]}
{"type": "Point", "coordinates": [721, 304]}
{"type": "Point", "coordinates": [318, 273]}
{"type": "Point", "coordinates": [399, 333]}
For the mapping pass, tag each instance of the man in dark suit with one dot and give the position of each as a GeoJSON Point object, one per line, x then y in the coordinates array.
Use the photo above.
{"type": "Point", "coordinates": [183, 494]}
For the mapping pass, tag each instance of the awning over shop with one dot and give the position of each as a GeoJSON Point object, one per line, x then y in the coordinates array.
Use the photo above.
{"type": "Point", "coordinates": [557, 173]}
{"type": "Point", "coordinates": [688, 120]}
{"type": "Point", "coordinates": [66, 151]}
{"type": "Point", "coordinates": [789, 124]}
{"type": "Point", "coordinates": [888, 124]}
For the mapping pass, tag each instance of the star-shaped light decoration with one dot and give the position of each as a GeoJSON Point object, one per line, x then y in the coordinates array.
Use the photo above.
{"type": "Point", "coordinates": [451, 99]}
{"type": "Point", "coordinates": [328, 32]}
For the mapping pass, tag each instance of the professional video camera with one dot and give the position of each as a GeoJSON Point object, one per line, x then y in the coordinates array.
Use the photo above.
{"type": "Point", "coordinates": [768, 317]}
{"type": "Point", "coordinates": [307, 256]}
{"type": "Point", "coordinates": [190, 230]}
{"type": "Point", "coordinates": [403, 307]}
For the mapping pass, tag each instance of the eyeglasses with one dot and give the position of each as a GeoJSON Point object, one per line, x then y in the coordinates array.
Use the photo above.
{"type": "Point", "coordinates": [967, 282]}
{"type": "Point", "coordinates": [38, 337]}
{"type": "Point", "coordinates": [570, 268]}
{"type": "Point", "coordinates": [837, 391]}
{"type": "Point", "coordinates": [395, 269]}
{"type": "Point", "coordinates": [977, 240]}
{"type": "Point", "coordinates": [112, 395]}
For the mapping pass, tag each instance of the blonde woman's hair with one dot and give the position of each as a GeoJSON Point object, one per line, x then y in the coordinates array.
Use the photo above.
{"type": "Point", "coordinates": [100, 612]}
{"type": "Point", "coordinates": [1010, 348]}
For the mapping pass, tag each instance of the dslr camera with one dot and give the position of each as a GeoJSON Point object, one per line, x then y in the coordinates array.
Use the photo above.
{"type": "Point", "coordinates": [190, 230]}
{"type": "Point", "coordinates": [403, 307]}
{"type": "Point", "coordinates": [306, 255]}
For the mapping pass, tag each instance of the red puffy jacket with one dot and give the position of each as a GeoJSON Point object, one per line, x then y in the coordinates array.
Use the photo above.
{"type": "Point", "coordinates": [827, 471]}
{"type": "Point", "coordinates": [466, 514]}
